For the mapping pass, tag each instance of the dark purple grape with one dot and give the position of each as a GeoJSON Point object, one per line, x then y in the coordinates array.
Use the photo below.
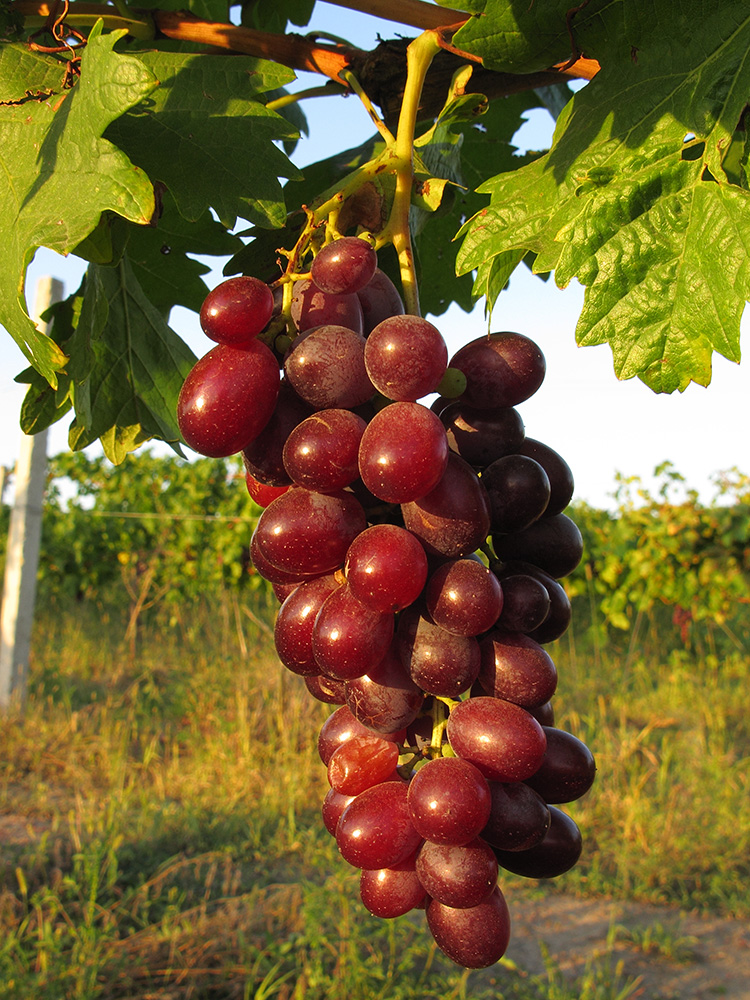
{"type": "Point", "coordinates": [480, 437]}
{"type": "Point", "coordinates": [544, 714]}
{"type": "Point", "coordinates": [475, 937]}
{"type": "Point", "coordinates": [519, 492]}
{"type": "Point", "coordinates": [516, 668]}
{"type": "Point", "coordinates": [526, 603]}
{"type": "Point", "coordinates": [309, 533]}
{"type": "Point", "coordinates": [379, 299]}
{"type": "Point", "coordinates": [458, 876]}
{"type": "Point", "coordinates": [228, 398]}
{"type": "Point", "coordinates": [403, 453]}
{"type": "Point", "coordinates": [349, 639]}
{"type": "Point", "coordinates": [386, 567]}
{"type": "Point", "coordinates": [449, 801]}
{"type": "Point", "coordinates": [501, 739]}
{"type": "Point", "coordinates": [386, 698]}
{"type": "Point", "coordinates": [501, 369]}
{"type": "Point", "coordinates": [567, 771]}
{"type": "Point", "coordinates": [438, 661]}
{"type": "Point", "coordinates": [361, 762]}
{"type": "Point", "coordinates": [556, 854]}
{"type": "Point", "coordinates": [559, 614]}
{"type": "Point", "coordinates": [312, 307]}
{"type": "Point", "coordinates": [453, 519]}
{"type": "Point", "coordinates": [321, 451]}
{"type": "Point", "coordinates": [375, 830]}
{"type": "Point", "coordinates": [344, 266]}
{"type": "Point", "coordinates": [391, 892]}
{"type": "Point", "coordinates": [263, 457]}
{"type": "Point", "coordinates": [554, 544]}
{"type": "Point", "coordinates": [406, 357]}
{"type": "Point", "coordinates": [326, 367]}
{"type": "Point", "coordinates": [558, 472]}
{"type": "Point", "coordinates": [236, 311]}
{"type": "Point", "coordinates": [519, 817]}
{"type": "Point", "coordinates": [294, 624]}
{"type": "Point", "coordinates": [464, 597]}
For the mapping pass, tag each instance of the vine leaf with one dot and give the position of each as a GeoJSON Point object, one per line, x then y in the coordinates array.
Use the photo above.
{"type": "Point", "coordinates": [518, 37]}
{"type": "Point", "coordinates": [125, 371]}
{"type": "Point", "coordinates": [633, 200]}
{"type": "Point", "coordinates": [58, 174]}
{"type": "Point", "coordinates": [129, 368]}
{"type": "Point", "coordinates": [205, 134]}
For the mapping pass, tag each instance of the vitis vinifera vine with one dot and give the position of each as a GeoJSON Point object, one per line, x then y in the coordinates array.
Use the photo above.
{"type": "Point", "coordinates": [416, 549]}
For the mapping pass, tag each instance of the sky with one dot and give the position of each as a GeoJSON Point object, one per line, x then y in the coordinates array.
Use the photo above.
{"type": "Point", "coordinates": [601, 426]}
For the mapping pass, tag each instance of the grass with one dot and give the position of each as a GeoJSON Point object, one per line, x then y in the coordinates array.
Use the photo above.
{"type": "Point", "coordinates": [173, 791]}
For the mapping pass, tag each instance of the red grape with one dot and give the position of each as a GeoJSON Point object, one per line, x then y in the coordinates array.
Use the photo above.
{"type": "Point", "coordinates": [312, 307]}
{"type": "Point", "coordinates": [475, 937]}
{"type": "Point", "coordinates": [516, 668]}
{"type": "Point", "coordinates": [227, 399]}
{"type": "Point", "coordinates": [375, 830]}
{"type": "Point", "coordinates": [391, 892]}
{"type": "Point", "coordinates": [236, 311]}
{"type": "Point", "coordinates": [327, 368]}
{"type": "Point", "coordinates": [449, 801]}
{"type": "Point", "coordinates": [385, 698]}
{"type": "Point", "coordinates": [554, 855]}
{"type": "Point", "coordinates": [464, 597]}
{"type": "Point", "coordinates": [379, 299]}
{"type": "Point", "coordinates": [344, 266]}
{"type": "Point", "coordinates": [361, 762]}
{"type": "Point", "coordinates": [403, 452]}
{"type": "Point", "coordinates": [349, 639]}
{"type": "Point", "coordinates": [386, 567]}
{"type": "Point", "coordinates": [453, 519]}
{"type": "Point", "coordinates": [458, 876]}
{"type": "Point", "coordinates": [321, 452]}
{"type": "Point", "coordinates": [309, 533]}
{"type": "Point", "coordinates": [405, 357]}
{"type": "Point", "coordinates": [501, 739]}
{"type": "Point", "coordinates": [294, 624]}
{"type": "Point", "coordinates": [567, 771]}
{"type": "Point", "coordinates": [502, 369]}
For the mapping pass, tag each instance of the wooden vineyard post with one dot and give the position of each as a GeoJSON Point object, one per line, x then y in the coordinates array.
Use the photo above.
{"type": "Point", "coordinates": [24, 536]}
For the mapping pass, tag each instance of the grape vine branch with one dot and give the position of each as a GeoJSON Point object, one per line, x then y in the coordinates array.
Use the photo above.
{"type": "Point", "coordinates": [174, 129]}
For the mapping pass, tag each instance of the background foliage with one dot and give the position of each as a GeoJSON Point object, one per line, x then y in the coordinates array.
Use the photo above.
{"type": "Point", "coordinates": [659, 566]}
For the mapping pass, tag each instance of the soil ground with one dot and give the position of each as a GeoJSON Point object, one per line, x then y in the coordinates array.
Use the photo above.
{"type": "Point", "coordinates": [689, 957]}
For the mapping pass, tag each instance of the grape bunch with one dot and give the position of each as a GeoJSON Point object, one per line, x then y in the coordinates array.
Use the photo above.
{"type": "Point", "coordinates": [416, 551]}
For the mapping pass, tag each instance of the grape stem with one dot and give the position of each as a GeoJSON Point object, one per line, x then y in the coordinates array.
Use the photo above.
{"type": "Point", "coordinates": [419, 56]}
{"type": "Point", "coordinates": [439, 712]}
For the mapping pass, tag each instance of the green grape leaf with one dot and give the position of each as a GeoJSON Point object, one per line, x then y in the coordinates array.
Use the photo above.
{"type": "Point", "coordinates": [204, 133]}
{"type": "Point", "coordinates": [633, 200]}
{"type": "Point", "coordinates": [58, 173]}
{"type": "Point", "coordinates": [126, 364]}
{"type": "Point", "coordinates": [270, 15]}
{"type": "Point", "coordinates": [478, 146]}
{"type": "Point", "coordinates": [43, 404]}
{"type": "Point", "coordinates": [207, 10]}
{"type": "Point", "coordinates": [162, 261]}
{"type": "Point", "coordinates": [519, 37]}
